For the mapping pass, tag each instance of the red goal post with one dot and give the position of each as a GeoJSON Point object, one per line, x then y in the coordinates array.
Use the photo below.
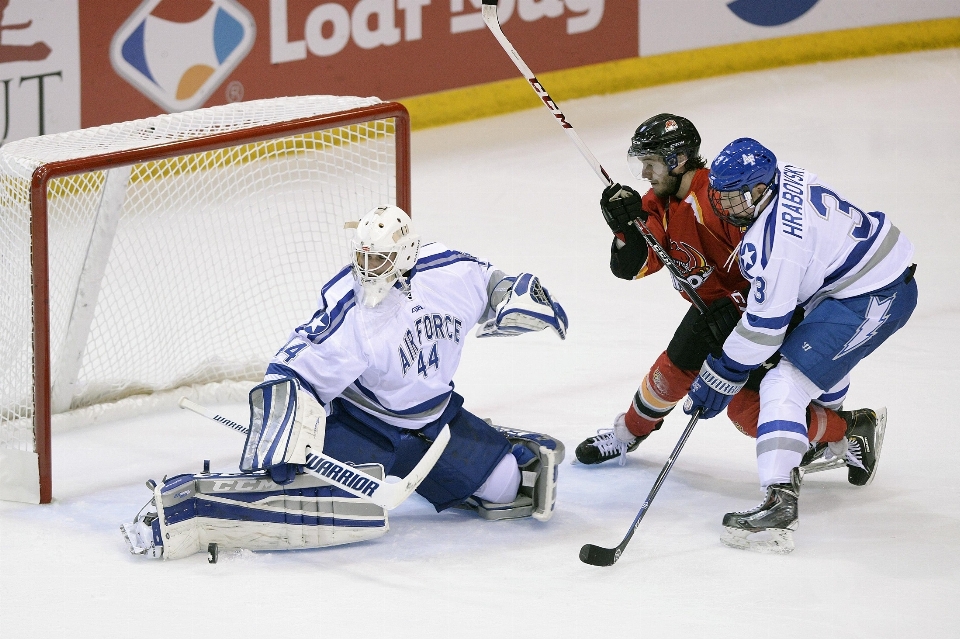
{"type": "Point", "coordinates": [174, 252]}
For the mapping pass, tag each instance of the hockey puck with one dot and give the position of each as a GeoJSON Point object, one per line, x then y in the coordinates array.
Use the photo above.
{"type": "Point", "coordinates": [213, 553]}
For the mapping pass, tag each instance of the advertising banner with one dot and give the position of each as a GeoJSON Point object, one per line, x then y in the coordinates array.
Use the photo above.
{"type": "Point", "coordinates": [70, 63]}
{"type": "Point", "coordinates": [139, 58]}
{"type": "Point", "coordinates": [679, 25]}
{"type": "Point", "coordinates": [39, 67]}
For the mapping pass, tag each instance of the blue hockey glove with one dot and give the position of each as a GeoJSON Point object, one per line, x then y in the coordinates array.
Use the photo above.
{"type": "Point", "coordinates": [719, 380]}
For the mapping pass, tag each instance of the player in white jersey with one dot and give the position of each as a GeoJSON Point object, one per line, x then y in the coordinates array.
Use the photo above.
{"type": "Point", "coordinates": [851, 273]}
{"type": "Point", "coordinates": [369, 380]}
{"type": "Point", "coordinates": [382, 349]}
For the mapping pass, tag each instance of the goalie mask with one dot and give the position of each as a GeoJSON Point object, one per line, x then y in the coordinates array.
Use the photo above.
{"type": "Point", "coordinates": [384, 248]}
{"type": "Point", "coordinates": [736, 171]}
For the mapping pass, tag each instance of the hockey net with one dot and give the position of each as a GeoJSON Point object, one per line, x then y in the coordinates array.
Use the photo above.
{"type": "Point", "coordinates": [173, 255]}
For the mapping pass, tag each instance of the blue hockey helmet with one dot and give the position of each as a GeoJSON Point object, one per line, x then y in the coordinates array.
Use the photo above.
{"type": "Point", "coordinates": [740, 166]}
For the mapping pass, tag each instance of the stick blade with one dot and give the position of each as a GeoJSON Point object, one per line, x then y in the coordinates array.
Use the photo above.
{"type": "Point", "coordinates": [597, 556]}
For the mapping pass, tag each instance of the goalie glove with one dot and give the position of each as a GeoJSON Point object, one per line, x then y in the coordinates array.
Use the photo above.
{"type": "Point", "coordinates": [528, 307]}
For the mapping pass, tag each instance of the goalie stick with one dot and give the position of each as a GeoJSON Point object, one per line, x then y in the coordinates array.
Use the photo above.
{"type": "Point", "coordinates": [493, 23]}
{"type": "Point", "coordinates": [344, 476]}
{"type": "Point", "coordinates": [598, 556]}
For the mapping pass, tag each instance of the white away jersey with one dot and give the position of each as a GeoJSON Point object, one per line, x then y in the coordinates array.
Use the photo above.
{"type": "Point", "coordinates": [808, 245]}
{"type": "Point", "coordinates": [396, 360]}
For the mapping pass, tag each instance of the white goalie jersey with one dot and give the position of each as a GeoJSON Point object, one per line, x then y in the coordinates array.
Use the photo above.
{"type": "Point", "coordinates": [809, 244]}
{"type": "Point", "coordinates": [396, 360]}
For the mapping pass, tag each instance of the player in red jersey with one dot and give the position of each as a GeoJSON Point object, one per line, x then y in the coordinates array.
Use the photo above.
{"type": "Point", "coordinates": [665, 150]}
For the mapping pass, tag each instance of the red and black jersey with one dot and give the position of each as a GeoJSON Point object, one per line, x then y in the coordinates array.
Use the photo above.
{"type": "Point", "coordinates": [703, 246]}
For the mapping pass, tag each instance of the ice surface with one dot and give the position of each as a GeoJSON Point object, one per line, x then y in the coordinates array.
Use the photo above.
{"type": "Point", "coordinates": [879, 561]}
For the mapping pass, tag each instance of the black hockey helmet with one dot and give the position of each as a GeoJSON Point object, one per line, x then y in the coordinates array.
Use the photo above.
{"type": "Point", "coordinates": [666, 135]}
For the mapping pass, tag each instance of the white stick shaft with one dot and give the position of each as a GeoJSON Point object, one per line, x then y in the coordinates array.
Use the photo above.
{"type": "Point", "coordinates": [493, 23]}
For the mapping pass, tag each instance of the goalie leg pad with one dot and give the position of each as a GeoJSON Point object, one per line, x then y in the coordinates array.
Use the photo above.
{"type": "Point", "coordinates": [284, 422]}
{"type": "Point", "coordinates": [538, 458]}
{"type": "Point", "coordinates": [251, 511]}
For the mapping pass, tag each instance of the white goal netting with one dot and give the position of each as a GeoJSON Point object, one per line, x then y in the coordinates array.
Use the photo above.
{"type": "Point", "coordinates": [183, 269]}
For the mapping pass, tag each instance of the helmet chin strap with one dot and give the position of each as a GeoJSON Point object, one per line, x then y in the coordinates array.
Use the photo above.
{"type": "Point", "coordinates": [765, 199]}
{"type": "Point", "coordinates": [676, 191]}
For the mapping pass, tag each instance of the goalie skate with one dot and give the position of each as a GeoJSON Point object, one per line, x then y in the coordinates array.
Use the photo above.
{"type": "Point", "coordinates": [769, 527]}
{"type": "Point", "coordinates": [143, 534]}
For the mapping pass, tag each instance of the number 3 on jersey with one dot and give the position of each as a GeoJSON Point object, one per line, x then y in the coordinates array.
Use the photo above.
{"type": "Point", "coordinates": [760, 292]}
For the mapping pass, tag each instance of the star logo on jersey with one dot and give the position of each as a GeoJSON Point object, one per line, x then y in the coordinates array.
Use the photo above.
{"type": "Point", "coordinates": [317, 325]}
{"type": "Point", "coordinates": [878, 311]}
{"type": "Point", "coordinates": [177, 53]}
{"type": "Point", "coordinates": [748, 256]}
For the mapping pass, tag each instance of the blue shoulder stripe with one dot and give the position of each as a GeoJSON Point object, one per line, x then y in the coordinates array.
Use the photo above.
{"type": "Point", "coordinates": [445, 259]}
{"type": "Point", "coordinates": [323, 324]}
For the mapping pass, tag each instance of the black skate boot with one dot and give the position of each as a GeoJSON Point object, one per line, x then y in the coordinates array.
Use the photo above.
{"type": "Point", "coordinates": [609, 443]}
{"type": "Point", "coordinates": [865, 429]}
{"type": "Point", "coordinates": [768, 527]}
{"type": "Point", "coordinates": [859, 450]}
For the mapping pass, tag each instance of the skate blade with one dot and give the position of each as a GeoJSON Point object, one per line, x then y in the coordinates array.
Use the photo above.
{"type": "Point", "coordinates": [878, 442]}
{"type": "Point", "coordinates": [777, 541]}
{"type": "Point", "coordinates": [824, 464]}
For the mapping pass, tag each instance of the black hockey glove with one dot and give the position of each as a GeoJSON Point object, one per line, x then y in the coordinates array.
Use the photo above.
{"type": "Point", "coordinates": [714, 326]}
{"type": "Point", "coordinates": [620, 206]}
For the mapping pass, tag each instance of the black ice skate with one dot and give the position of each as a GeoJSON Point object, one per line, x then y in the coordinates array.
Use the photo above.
{"type": "Point", "coordinates": [865, 430]}
{"type": "Point", "coordinates": [609, 443]}
{"type": "Point", "coordinates": [859, 451]}
{"type": "Point", "coordinates": [769, 527]}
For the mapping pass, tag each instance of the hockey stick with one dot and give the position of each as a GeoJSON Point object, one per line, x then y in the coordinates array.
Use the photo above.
{"type": "Point", "coordinates": [493, 23]}
{"type": "Point", "coordinates": [597, 556]}
{"type": "Point", "coordinates": [345, 476]}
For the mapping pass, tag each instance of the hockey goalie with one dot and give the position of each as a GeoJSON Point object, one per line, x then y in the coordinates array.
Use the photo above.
{"type": "Point", "coordinates": [364, 390]}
